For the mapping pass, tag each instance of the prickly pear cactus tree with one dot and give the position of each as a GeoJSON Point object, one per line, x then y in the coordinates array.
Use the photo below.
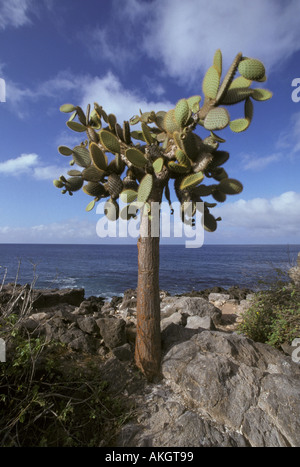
{"type": "Point", "coordinates": [137, 165]}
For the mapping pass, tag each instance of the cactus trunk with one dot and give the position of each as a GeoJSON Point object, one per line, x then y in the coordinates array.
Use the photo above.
{"type": "Point", "coordinates": [148, 339]}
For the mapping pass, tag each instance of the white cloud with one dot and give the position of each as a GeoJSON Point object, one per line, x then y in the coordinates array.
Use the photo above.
{"type": "Point", "coordinates": [186, 34]}
{"type": "Point", "coordinates": [261, 218]}
{"type": "Point", "coordinates": [14, 13]}
{"type": "Point", "coordinates": [21, 164]}
{"type": "Point", "coordinates": [31, 165]}
{"type": "Point", "coordinates": [71, 230]}
{"type": "Point", "coordinates": [114, 98]}
{"type": "Point", "coordinates": [254, 162]}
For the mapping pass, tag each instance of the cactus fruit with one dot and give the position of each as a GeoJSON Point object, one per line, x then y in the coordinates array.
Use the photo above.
{"type": "Point", "coordinates": [230, 186]}
{"type": "Point", "coordinates": [98, 157]}
{"type": "Point", "coordinates": [65, 151]}
{"type": "Point", "coordinates": [136, 157]}
{"type": "Point", "coordinates": [58, 183]}
{"type": "Point", "coordinates": [182, 112]}
{"type": "Point", "coordinates": [115, 185]}
{"type": "Point", "coordinates": [211, 83]}
{"type": "Point", "coordinates": [191, 181]}
{"type": "Point", "coordinates": [145, 188]}
{"type": "Point", "coordinates": [81, 156]}
{"type": "Point", "coordinates": [217, 119]}
{"type": "Point", "coordinates": [110, 141]}
{"type": "Point", "coordinates": [251, 68]}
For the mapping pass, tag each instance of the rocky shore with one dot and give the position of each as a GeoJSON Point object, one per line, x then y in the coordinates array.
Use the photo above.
{"type": "Point", "coordinates": [218, 388]}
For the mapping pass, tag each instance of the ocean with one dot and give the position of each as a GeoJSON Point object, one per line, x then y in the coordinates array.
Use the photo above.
{"type": "Point", "coordinates": [108, 270]}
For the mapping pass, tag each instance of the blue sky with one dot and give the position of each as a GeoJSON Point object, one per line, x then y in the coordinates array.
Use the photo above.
{"type": "Point", "coordinates": [129, 55]}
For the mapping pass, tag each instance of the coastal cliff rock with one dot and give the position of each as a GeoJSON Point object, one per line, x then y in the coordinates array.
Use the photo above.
{"type": "Point", "coordinates": [218, 388]}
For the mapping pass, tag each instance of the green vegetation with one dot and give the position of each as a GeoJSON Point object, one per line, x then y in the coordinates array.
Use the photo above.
{"type": "Point", "coordinates": [274, 316]}
{"type": "Point", "coordinates": [51, 396]}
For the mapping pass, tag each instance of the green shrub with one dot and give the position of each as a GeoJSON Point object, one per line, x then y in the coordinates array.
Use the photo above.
{"type": "Point", "coordinates": [49, 395]}
{"type": "Point", "coordinates": [274, 316]}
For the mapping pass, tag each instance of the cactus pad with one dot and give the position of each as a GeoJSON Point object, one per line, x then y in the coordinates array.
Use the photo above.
{"type": "Point", "coordinates": [145, 188]}
{"type": "Point", "coordinates": [251, 68]}
{"type": "Point", "coordinates": [218, 61]}
{"type": "Point", "coordinates": [261, 94]}
{"type": "Point", "coordinates": [115, 185]}
{"type": "Point", "coordinates": [98, 157]}
{"type": "Point", "coordinates": [182, 112]}
{"type": "Point", "coordinates": [74, 183]}
{"type": "Point", "coordinates": [193, 103]}
{"type": "Point", "coordinates": [65, 151]}
{"type": "Point", "coordinates": [158, 165]}
{"type": "Point", "coordinates": [217, 119]}
{"type": "Point", "coordinates": [230, 186]}
{"type": "Point", "coordinates": [81, 156]}
{"type": "Point", "coordinates": [170, 124]}
{"type": "Point", "coordinates": [147, 133]}
{"type": "Point", "coordinates": [110, 141]}
{"type": "Point", "coordinates": [239, 125]}
{"type": "Point", "coordinates": [191, 181]}
{"type": "Point", "coordinates": [111, 210]}
{"type": "Point", "coordinates": [94, 189]}
{"type": "Point", "coordinates": [211, 83]}
{"type": "Point", "coordinates": [92, 174]}
{"type": "Point", "coordinates": [128, 196]}
{"type": "Point", "coordinates": [67, 108]}
{"type": "Point", "coordinates": [75, 126]}
{"type": "Point", "coordinates": [136, 157]}
{"type": "Point", "coordinates": [210, 223]}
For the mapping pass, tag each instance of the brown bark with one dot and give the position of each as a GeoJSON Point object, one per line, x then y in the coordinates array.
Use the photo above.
{"type": "Point", "coordinates": [148, 338]}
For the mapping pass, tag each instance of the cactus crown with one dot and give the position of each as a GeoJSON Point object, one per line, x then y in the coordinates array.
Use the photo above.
{"type": "Point", "coordinates": [166, 147]}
